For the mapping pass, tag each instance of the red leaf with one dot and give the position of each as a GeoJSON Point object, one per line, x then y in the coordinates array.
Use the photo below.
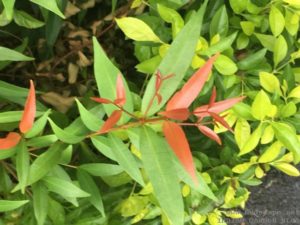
{"type": "Point", "coordinates": [221, 120]}
{"type": "Point", "coordinates": [11, 140]}
{"type": "Point", "coordinates": [102, 100]}
{"type": "Point", "coordinates": [121, 94]}
{"type": "Point", "coordinates": [210, 133]}
{"type": "Point", "coordinates": [176, 114]}
{"type": "Point", "coordinates": [217, 107]}
{"type": "Point", "coordinates": [120, 101]}
{"type": "Point", "coordinates": [28, 116]}
{"type": "Point", "coordinates": [159, 98]}
{"type": "Point", "coordinates": [191, 89]}
{"type": "Point", "coordinates": [111, 121]}
{"type": "Point", "coordinates": [179, 144]}
{"type": "Point", "coordinates": [213, 96]}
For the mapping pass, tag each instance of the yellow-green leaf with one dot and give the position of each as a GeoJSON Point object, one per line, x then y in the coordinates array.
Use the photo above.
{"type": "Point", "coordinates": [137, 29]}
{"type": "Point", "coordinates": [295, 93]}
{"type": "Point", "coordinates": [268, 135]}
{"type": "Point", "coordinates": [242, 132]}
{"type": "Point", "coordinates": [248, 27]}
{"type": "Point", "coordinates": [198, 218]}
{"type": "Point", "coordinates": [287, 168]}
{"type": "Point", "coordinates": [291, 22]}
{"type": "Point", "coordinates": [269, 82]}
{"type": "Point", "coordinates": [294, 3]}
{"type": "Point", "coordinates": [230, 193]}
{"type": "Point", "coordinates": [271, 153]}
{"type": "Point", "coordinates": [261, 105]}
{"type": "Point", "coordinates": [252, 142]}
{"type": "Point", "coordinates": [225, 65]}
{"type": "Point", "coordinates": [242, 168]}
{"type": "Point", "coordinates": [276, 21]}
{"type": "Point", "coordinates": [280, 50]}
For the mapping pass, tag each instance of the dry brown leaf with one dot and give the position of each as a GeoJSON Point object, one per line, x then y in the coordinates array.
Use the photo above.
{"type": "Point", "coordinates": [60, 103]}
{"type": "Point", "coordinates": [83, 60]}
{"type": "Point", "coordinates": [88, 4]}
{"type": "Point", "coordinates": [95, 26]}
{"type": "Point", "coordinates": [71, 10]}
{"type": "Point", "coordinates": [73, 73]}
{"type": "Point", "coordinates": [79, 33]}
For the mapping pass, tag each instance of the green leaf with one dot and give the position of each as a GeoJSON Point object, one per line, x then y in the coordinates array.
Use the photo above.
{"type": "Point", "coordinates": [7, 54]}
{"type": "Point", "coordinates": [6, 205]}
{"type": "Point", "coordinates": [242, 168]}
{"type": "Point", "coordinates": [9, 8]}
{"type": "Point", "coordinates": [89, 119]}
{"type": "Point", "coordinates": [23, 19]}
{"type": "Point", "coordinates": [225, 65]}
{"type": "Point", "coordinates": [176, 61]}
{"type": "Point", "coordinates": [242, 41]}
{"type": "Point", "coordinates": [125, 158]}
{"type": "Point", "coordinates": [158, 164]}
{"type": "Point", "coordinates": [102, 144]}
{"type": "Point", "coordinates": [219, 23]}
{"type": "Point", "coordinates": [291, 22]}
{"type": "Point", "coordinates": [56, 212]}
{"type": "Point", "coordinates": [269, 82]}
{"type": "Point", "coordinates": [287, 136]}
{"type": "Point", "coordinates": [295, 93]}
{"type": "Point", "coordinates": [64, 188]}
{"type": "Point", "coordinates": [45, 162]}
{"type": "Point", "coordinates": [248, 27]}
{"type": "Point", "coordinates": [287, 168]}
{"type": "Point", "coordinates": [65, 136]}
{"type": "Point", "coordinates": [280, 50]}
{"type": "Point", "coordinates": [223, 44]}
{"type": "Point", "coordinates": [171, 16]}
{"type": "Point", "coordinates": [38, 125]}
{"type": "Point", "coordinates": [88, 184]}
{"type": "Point", "coordinates": [271, 153]}
{"type": "Point", "coordinates": [105, 70]}
{"type": "Point", "coordinates": [268, 41]}
{"type": "Point", "coordinates": [288, 110]}
{"type": "Point", "coordinates": [242, 132]}
{"type": "Point", "coordinates": [261, 105]}
{"type": "Point", "coordinates": [276, 20]}
{"type": "Point", "coordinates": [102, 169]}
{"type": "Point", "coordinates": [253, 60]}
{"type": "Point", "coordinates": [50, 5]}
{"type": "Point", "coordinates": [22, 165]}
{"type": "Point", "coordinates": [238, 6]}
{"type": "Point", "coordinates": [43, 141]}
{"type": "Point", "coordinates": [40, 202]}
{"type": "Point", "coordinates": [268, 135]}
{"type": "Point", "coordinates": [137, 29]}
{"type": "Point", "coordinates": [252, 142]}
{"type": "Point", "coordinates": [150, 65]}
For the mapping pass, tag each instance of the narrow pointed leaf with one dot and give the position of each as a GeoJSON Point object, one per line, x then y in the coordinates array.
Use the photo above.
{"type": "Point", "coordinates": [38, 126]}
{"type": "Point", "coordinates": [10, 141]}
{"type": "Point", "coordinates": [221, 120]}
{"type": "Point", "coordinates": [29, 110]}
{"type": "Point", "coordinates": [159, 166]}
{"type": "Point", "coordinates": [125, 158]}
{"type": "Point", "coordinates": [22, 165]}
{"type": "Point", "coordinates": [40, 202]}
{"type": "Point", "coordinates": [210, 133]}
{"type": "Point", "coordinates": [176, 114]}
{"type": "Point", "coordinates": [121, 93]}
{"type": "Point", "coordinates": [102, 100]}
{"type": "Point", "coordinates": [102, 169]}
{"type": "Point", "coordinates": [191, 89]}
{"type": "Point", "coordinates": [177, 140]}
{"type": "Point", "coordinates": [176, 61]}
{"type": "Point", "coordinates": [111, 121]}
{"type": "Point", "coordinates": [6, 205]}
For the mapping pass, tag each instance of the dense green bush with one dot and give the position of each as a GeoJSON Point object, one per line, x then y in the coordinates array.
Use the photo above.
{"type": "Point", "coordinates": [216, 83]}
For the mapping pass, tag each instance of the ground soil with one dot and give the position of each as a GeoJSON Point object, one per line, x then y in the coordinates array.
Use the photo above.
{"type": "Point", "coordinates": [275, 202]}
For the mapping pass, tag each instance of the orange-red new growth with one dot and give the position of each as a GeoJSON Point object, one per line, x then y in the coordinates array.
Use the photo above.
{"type": "Point", "coordinates": [176, 114]}
{"type": "Point", "coordinates": [10, 141]}
{"type": "Point", "coordinates": [29, 110]}
{"type": "Point", "coordinates": [102, 100]}
{"type": "Point", "coordinates": [111, 121]}
{"type": "Point", "coordinates": [191, 89]}
{"type": "Point", "coordinates": [210, 133]}
{"type": "Point", "coordinates": [121, 94]}
{"type": "Point", "coordinates": [179, 144]}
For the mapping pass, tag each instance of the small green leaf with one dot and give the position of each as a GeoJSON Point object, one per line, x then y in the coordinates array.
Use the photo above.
{"type": "Point", "coordinates": [102, 169]}
{"type": "Point", "coordinates": [242, 41]}
{"type": "Point", "coordinates": [287, 136]}
{"type": "Point", "coordinates": [248, 27]}
{"type": "Point", "coordinates": [252, 142]}
{"type": "Point", "coordinates": [64, 188]}
{"type": "Point", "coordinates": [150, 65]}
{"type": "Point", "coordinates": [125, 158]}
{"type": "Point", "coordinates": [7, 54]}
{"type": "Point", "coordinates": [158, 163]}
{"type": "Point", "coordinates": [252, 60]}
{"type": "Point", "coordinates": [88, 184]}
{"type": "Point", "coordinates": [65, 136]}
{"type": "Point", "coordinates": [238, 6]}
{"type": "Point", "coordinates": [50, 5]}
{"type": "Point", "coordinates": [269, 82]}
{"type": "Point", "coordinates": [271, 153]}
{"type": "Point", "coordinates": [6, 205]}
{"type": "Point", "coordinates": [9, 8]}
{"type": "Point", "coordinates": [43, 141]}
{"type": "Point", "coordinates": [276, 20]}
{"type": "Point", "coordinates": [268, 41]}
{"type": "Point", "coordinates": [40, 202]}
{"type": "Point", "coordinates": [22, 165]}
{"type": "Point", "coordinates": [295, 93]}
{"type": "Point", "coordinates": [291, 22]}
{"type": "Point", "coordinates": [38, 125]}
{"type": "Point", "coordinates": [23, 19]}
{"type": "Point", "coordinates": [261, 105]}
{"type": "Point", "coordinates": [242, 132]}
{"type": "Point", "coordinates": [287, 168]}
{"type": "Point", "coordinates": [288, 110]}
{"type": "Point", "coordinates": [225, 65]}
{"type": "Point", "coordinates": [219, 23]}
{"type": "Point", "coordinates": [280, 50]}
{"type": "Point", "coordinates": [102, 144]}
{"type": "Point", "coordinates": [137, 29]}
